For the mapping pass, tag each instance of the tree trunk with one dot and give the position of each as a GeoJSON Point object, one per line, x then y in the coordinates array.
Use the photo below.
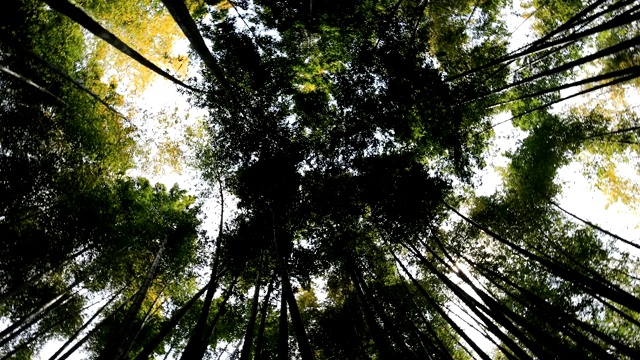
{"type": "Point", "coordinates": [633, 70]}
{"type": "Point", "coordinates": [579, 93]}
{"type": "Point", "coordinates": [39, 334]}
{"type": "Point", "coordinates": [388, 324]}
{"type": "Point", "coordinates": [481, 309]}
{"type": "Point", "coordinates": [427, 345]}
{"type": "Point", "coordinates": [168, 326]}
{"type": "Point", "coordinates": [148, 314]}
{"type": "Point", "coordinates": [624, 315]}
{"type": "Point", "coordinates": [441, 312]}
{"type": "Point", "coordinates": [31, 339]}
{"type": "Point", "coordinates": [77, 15]}
{"type": "Point", "coordinates": [197, 338]}
{"type": "Point", "coordinates": [441, 349]}
{"type": "Point", "coordinates": [88, 335]}
{"type": "Point", "coordinates": [608, 290]}
{"type": "Point", "coordinates": [287, 292]}
{"type": "Point", "coordinates": [537, 45]}
{"type": "Point", "coordinates": [181, 16]}
{"type": "Point", "coordinates": [379, 339]}
{"type": "Point", "coordinates": [212, 327]}
{"type": "Point", "coordinates": [85, 325]}
{"type": "Point", "coordinates": [14, 329]}
{"type": "Point", "coordinates": [263, 319]}
{"type": "Point", "coordinates": [31, 83]}
{"type": "Point", "coordinates": [296, 319]}
{"type": "Point", "coordinates": [589, 222]}
{"type": "Point", "coordinates": [624, 45]}
{"type": "Point", "coordinates": [63, 74]}
{"type": "Point", "coordinates": [501, 312]}
{"type": "Point", "coordinates": [540, 335]}
{"type": "Point", "coordinates": [614, 132]}
{"type": "Point", "coordinates": [166, 356]}
{"type": "Point", "coordinates": [545, 310]}
{"type": "Point", "coordinates": [248, 337]}
{"type": "Point", "coordinates": [123, 339]}
{"type": "Point", "coordinates": [34, 279]}
{"type": "Point", "coordinates": [283, 329]}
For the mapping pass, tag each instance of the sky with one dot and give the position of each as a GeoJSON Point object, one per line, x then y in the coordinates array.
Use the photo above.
{"type": "Point", "coordinates": [579, 195]}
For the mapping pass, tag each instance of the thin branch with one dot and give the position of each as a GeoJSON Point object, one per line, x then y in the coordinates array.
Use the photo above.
{"type": "Point", "coordinates": [73, 81]}
{"type": "Point", "coordinates": [624, 45]}
{"type": "Point", "coordinates": [544, 106]}
{"type": "Point", "coordinates": [596, 226]}
{"type": "Point", "coordinates": [36, 86]}
{"type": "Point", "coordinates": [630, 70]}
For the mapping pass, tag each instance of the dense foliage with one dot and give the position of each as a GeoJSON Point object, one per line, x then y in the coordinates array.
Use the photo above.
{"type": "Point", "coordinates": [349, 136]}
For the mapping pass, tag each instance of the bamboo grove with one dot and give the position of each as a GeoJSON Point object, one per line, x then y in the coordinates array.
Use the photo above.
{"type": "Point", "coordinates": [348, 135]}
